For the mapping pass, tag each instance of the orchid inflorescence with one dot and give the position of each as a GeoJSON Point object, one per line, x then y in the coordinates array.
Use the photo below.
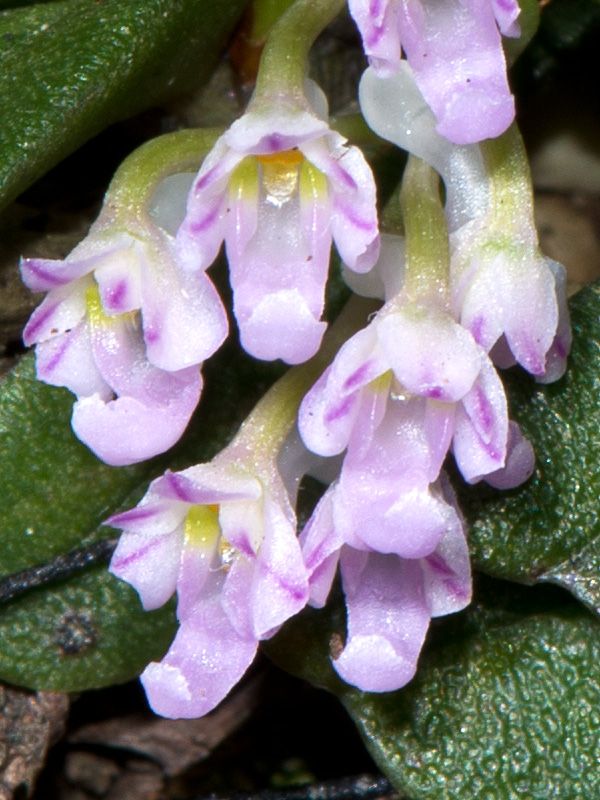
{"type": "Point", "coordinates": [376, 403]}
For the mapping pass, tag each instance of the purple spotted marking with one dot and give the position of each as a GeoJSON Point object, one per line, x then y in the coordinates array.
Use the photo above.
{"type": "Point", "coordinates": [358, 376]}
{"type": "Point", "coordinates": [374, 37]}
{"type": "Point", "coordinates": [476, 328]}
{"type": "Point", "coordinates": [560, 348]}
{"type": "Point", "coordinates": [457, 589]}
{"type": "Point", "coordinates": [151, 334]}
{"type": "Point", "coordinates": [341, 410]}
{"type": "Point", "coordinates": [435, 393]}
{"type": "Point", "coordinates": [116, 295]}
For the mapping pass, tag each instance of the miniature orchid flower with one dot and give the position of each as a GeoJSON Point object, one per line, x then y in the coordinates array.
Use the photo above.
{"type": "Point", "coordinates": [125, 331]}
{"type": "Point", "coordinates": [411, 373]}
{"type": "Point", "coordinates": [390, 599]}
{"type": "Point", "coordinates": [223, 536]}
{"type": "Point", "coordinates": [455, 50]}
{"type": "Point", "coordinates": [277, 187]}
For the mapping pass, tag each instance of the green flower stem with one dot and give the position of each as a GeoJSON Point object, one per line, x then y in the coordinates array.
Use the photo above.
{"type": "Point", "coordinates": [284, 60]}
{"type": "Point", "coordinates": [135, 182]}
{"type": "Point", "coordinates": [266, 429]}
{"type": "Point", "coordinates": [511, 192]}
{"type": "Point", "coordinates": [265, 14]}
{"type": "Point", "coordinates": [427, 250]}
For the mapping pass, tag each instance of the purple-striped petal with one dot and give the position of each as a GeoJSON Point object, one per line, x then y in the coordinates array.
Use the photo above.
{"type": "Point", "coordinates": [354, 223]}
{"type": "Point", "coordinates": [150, 564]}
{"type": "Point", "coordinates": [67, 360]}
{"type": "Point", "coordinates": [321, 541]}
{"type": "Point", "coordinates": [60, 311]}
{"type": "Point", "coordinates": [481, 429]}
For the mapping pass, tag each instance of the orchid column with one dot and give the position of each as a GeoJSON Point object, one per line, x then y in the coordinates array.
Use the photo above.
{"type": "Point", "coordinates": [278, 186]}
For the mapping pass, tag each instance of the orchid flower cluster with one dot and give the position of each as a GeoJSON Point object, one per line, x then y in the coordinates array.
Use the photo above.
{"type": "Point", "coordinates": [377, 403]}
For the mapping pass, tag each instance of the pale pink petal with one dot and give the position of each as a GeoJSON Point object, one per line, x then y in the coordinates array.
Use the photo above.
{"type": "Point", "coordinates": [206, 484]}
{"type": "Point", "coordinates": [131, 429]}
{"type": "Point", "coordinates": [328, 412]}
{"type": "Point", "coordinates": [118, 280]}
{"type": "Point", "coordinates": [184, 320]}
{"type": "Point", "coordinates": [201, 233]}
{"type": "Point", "coordinates": [447, 571]}
{"type": "Point", "coordinates": [60, 311]}
{"type": "Point", "coordinates": [515, 296]}
{"type": "Point", "coordinates": [281, 326]}
{"type": "Point", "coordinates": [388, 618]}
{"type": "Point", "coordinates": [455, 51]}
{"type": "Point", "coordinates": [556, 357]}
{"type": "Point", "coordinates": [377, 21]}
{"type": "Point", "coordinates": [506, 13]}
{"type": "Point", "coordinates": [196, 561]}
{"type": "Point", "coordinates": [354, 224]}
{"type": "Point", "coordinates": [278, 283]}
{"type": "Point", "coordinates": [152, 517]}
{"type": "Point", "coordinates": [429, 353]}
{"type": "Point", "coordinates": [481, 429]}
{"type": "Point", "coordinates": [520, 461]}
{"type": "Point", "coordinates": [67, 360]}
{"type": "Point", "coordinates": [149, 563]}
{"type": "Point", "coordinates": [207, 658]}
{"type": "Point", "coordinates": [46, 274]}
{"type": "Point", "coordinates": [280, 583]}
{"type": "Point", "coordinates": [271, 129]}
{"type": "Point", "coordinates": [321, 542]}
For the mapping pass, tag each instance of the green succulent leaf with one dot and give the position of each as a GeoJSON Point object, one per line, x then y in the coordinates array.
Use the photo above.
{"type": "Point", "coordinates": [505, 703]}
{"type": "Point", "coordinates": [70, 68]}
{"type": "Point", "coordinates": [549, 528]}
{"type": "Point", "coordinates": [88, 632]}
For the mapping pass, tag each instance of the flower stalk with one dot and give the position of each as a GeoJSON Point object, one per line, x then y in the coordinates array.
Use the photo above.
{"type": "Point", "coordinates": [284, 60]}
{"type": "Point", "coordinates": [427, 250]}
{"type": "Point", "coordinates": [136, 179]}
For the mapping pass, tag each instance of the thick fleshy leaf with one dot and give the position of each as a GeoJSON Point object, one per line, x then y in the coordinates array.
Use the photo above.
{"type": "Point", "coordinates": [84, 65]}
{"type": "Point", "coordinates": [71, 636]}
{"type": "Point", "coordinates": [548, 529]}
{"type": "Point", "coordinates": [504, 702]}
